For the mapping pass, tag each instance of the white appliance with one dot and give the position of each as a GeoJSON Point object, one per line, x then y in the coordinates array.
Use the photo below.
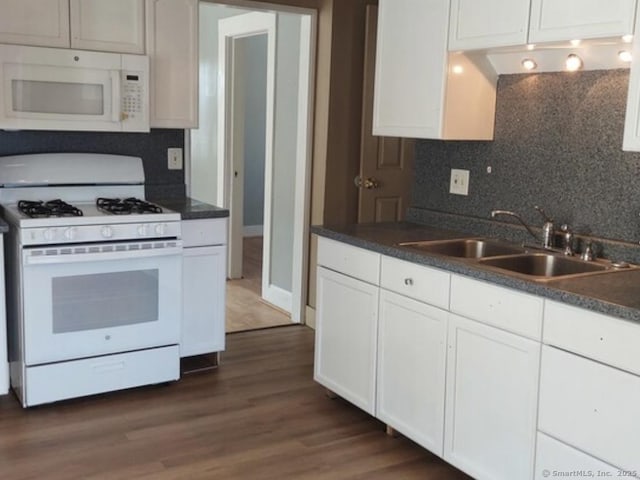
{"type": "Point", "coordinates": [62, 89]}
{"type": "Point", "coordinates": [95, 291]}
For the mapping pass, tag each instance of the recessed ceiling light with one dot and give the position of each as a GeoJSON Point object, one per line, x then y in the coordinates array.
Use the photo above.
{"type": "Point", "coordinates": [627, 38]}
{"type": "Point", "coordinates": [529, 64]}
{"type": "Point", "coordinates": [573, 62]}
{"type": "Point", "coordinates": [625, 56]}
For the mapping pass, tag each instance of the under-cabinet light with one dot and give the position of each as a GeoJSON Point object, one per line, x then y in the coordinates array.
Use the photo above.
{"type": "Point", "coordinates": [573, 62]}
{"type": "Point", "coordinates": [457, 69]}
{"type": "Point", "coordinates": [531, 46]}
{"type": "Point", "coordinates": [575, 42]}
{"type": "Point", "coordinates": [529, 64]}
{"type": "Point", "coordinates": [627, 38]}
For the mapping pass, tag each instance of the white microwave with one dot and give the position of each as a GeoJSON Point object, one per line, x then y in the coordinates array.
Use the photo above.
{"type": "Point", "coordinates": [62, 89]}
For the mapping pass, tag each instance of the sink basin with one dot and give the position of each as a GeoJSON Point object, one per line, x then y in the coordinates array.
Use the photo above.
{"type": "Point", "coordinates": [543, 265]}
{"type": "Point", "coordinates": [464, 248]}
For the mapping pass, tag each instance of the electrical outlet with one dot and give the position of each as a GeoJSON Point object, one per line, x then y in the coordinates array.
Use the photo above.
{"type": "Point", "coordinates": [459, 184]}
{"type": "Point", "coordinates": [174, 158]}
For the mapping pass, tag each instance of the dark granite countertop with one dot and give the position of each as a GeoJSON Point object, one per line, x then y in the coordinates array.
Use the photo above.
{"type": "Point", "coordinates": [190, 208]}
{"type": "Point", "coordinates": [616, 293]}
{"type": "Point", "coordinates": [4, 228]}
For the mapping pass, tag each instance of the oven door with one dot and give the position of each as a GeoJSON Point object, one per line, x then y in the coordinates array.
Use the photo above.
{"type": "Point", "coordinates": [83, 301]}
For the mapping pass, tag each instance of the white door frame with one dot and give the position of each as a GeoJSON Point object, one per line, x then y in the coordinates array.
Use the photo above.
{"type": "Point", "coordinates": [231, 29]}
{"type": "Point", "coordinates": [296, 303]}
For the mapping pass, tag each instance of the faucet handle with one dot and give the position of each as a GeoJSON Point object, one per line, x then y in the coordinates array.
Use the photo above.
{"type": "Point", "coordinates": [589, 253]}
{"type": "Point", "coordinates": [567, 234]}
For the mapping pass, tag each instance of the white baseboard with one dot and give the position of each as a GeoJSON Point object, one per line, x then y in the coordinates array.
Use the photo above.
{"type": "Point", "coordinates": [253, 230]}
{"type": "Point", "coordinates": [278, 297]}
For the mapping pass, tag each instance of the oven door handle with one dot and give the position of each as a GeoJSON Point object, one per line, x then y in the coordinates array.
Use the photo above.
{"type": "Point", "coordinates": [99, 256]}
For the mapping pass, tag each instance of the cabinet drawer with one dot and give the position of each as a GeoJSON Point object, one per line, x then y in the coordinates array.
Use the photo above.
{"type": "Point", "coordinates": [601, 337]}
{"type": "Point", "coordinates": [422, 283]}
{"type": "Point", "coordinates": [78, 378]}
{"type": "Point", "coordinates": [203, 232]}
{"type": "Point", "coordinates": [505, 308]}
{"type": "Point", "coordinates": [555, 456]}
{"type": "Point", "coordinates": [353, 261]}
{"type": "Point", "coordinates": [590, 406]}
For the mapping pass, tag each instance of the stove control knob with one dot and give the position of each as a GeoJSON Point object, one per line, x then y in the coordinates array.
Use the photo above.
{"type": "Point", "coordinates": [49, 234]}
{"type": "Point", "coordinates": [161, 228]}
{"type": "Point", "coordinates": [107, 232]}
{"type": "Point", "coordinates": [143, 230]}
{"type": "Point", "coordinates": [70, 233]}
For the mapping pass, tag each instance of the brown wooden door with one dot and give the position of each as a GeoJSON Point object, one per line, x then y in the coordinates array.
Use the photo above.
{"type": "Point", "coordinates": [386, 163]}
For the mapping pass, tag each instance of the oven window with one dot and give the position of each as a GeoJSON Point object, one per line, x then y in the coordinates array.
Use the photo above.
{"type": "Point", "coordinates": [57, 97]}
{"type": "Point", "coordinates": [104, 300]}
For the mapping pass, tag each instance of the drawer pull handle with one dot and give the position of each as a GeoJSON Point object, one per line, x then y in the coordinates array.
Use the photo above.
{"type": "Point", "coordinates": [408, 282]}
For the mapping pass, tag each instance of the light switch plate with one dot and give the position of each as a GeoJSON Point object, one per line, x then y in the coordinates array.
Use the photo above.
{"type": "Point", "coordinates": [174, 158]}
{"type": "Point", "coordinates": [459, 184]}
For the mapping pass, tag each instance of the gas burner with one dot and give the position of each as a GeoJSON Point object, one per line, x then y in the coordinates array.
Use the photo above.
{"type": "Point", "coordinates": [52, 208]}
{"type": "Point", "coordinates": [127, 206]}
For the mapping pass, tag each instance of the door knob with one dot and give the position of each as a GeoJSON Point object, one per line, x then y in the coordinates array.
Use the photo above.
{"type": "Point", "coordinates": [368, 183]}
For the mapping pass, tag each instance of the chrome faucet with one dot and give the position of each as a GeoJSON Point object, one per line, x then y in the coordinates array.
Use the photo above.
{"type": "Point", "coordinates": [548, 228]}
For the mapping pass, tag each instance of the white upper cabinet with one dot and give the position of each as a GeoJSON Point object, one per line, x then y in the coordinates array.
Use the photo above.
{"type": "Point", "coordinates": [420, 90]}
{"type": "Point", "coordinates": [476, 24]}
{"type": "Point", "coordinates": [631, 139]}
{"type": "Point", "coordinates": [113, 26]}
{"type": "Point", "coordinates": [110, 26]}
{"type": "Point", "coordinates": [35, 22]}
{"type": "Point", "coordinates": [172, 46]}
{"type": "Point", "coordinates": [559, 20]}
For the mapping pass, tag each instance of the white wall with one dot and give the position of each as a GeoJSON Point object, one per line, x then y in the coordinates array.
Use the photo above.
{"type": "Point", "coordinates": [204, 140]}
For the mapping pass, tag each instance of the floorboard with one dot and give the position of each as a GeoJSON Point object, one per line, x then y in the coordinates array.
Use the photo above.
{"type": "Point", "coordinates": [259, 415]}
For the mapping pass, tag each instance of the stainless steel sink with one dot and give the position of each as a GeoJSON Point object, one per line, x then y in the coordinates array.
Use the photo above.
{"type": "Point", "coordinates": [543, 265]}
{"type": "Point", "coordinates": [464, 248]}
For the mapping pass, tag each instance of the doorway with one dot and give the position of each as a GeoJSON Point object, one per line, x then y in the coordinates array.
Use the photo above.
{"type": "Point", "coordinates": [268, 239]}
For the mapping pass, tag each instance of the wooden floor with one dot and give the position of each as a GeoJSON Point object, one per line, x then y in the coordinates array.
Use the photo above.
{"type": "Point", "coordinates": [245, 308]}
{"type": "Point", "coordinates": [259, 416]}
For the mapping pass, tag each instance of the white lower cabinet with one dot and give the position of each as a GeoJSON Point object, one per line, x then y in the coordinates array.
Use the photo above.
{"type": "Point", "coordinates": [204, 273]}
{"type": "Point", "coordinates": [591, 406]}
{"type": "Point", "coordinates": [346, 330]}
{"type": "Point", "coordinates": [556, 459]}
{"type": "Point", "coordinates": [491, 401]}
{"type": "Point", "coordinates": [411, 369]}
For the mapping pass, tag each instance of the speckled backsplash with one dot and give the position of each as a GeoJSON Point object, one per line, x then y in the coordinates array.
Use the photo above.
{"type": "Point", "coordinates": [151, 147]}
{"type": "Point", "coordinates": [558, 144]}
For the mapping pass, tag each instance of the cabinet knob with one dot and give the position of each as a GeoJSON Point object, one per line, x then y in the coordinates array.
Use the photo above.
{"type": "Point", "coordinates": [408, 281]}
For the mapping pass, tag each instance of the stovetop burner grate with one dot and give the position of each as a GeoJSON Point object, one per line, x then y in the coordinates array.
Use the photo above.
{"type": "Point", "coordinates": [126, 206]}
{"type": "Point", "coordinates": [52, 208]}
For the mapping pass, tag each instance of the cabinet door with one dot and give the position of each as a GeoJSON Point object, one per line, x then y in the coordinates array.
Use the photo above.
{"type": "Point", "coordinates": [113, 26]}
{"type": "Point", "coordinates": [35, 22]}
{"type": "Point", "coordinates": [346, 328]}
{"type": "Point", "coordinates": [4, 365]}
{"type": "Point", "coordinates": [631, 139]}
{"type": "Point", "coordinates": [491, 401]}
{"type": "Point", "coordinates": [555, 456]}
{"type": "Point", "coordinates": [558, 20]}
{"type": "Point", "coordinates": [411, 369]}
{"type": "Point", "coordinates": [172, 46]}
{"type": "Point", "coordinates": [411, 68]}
{"type": "Point", "coordinates": [476, 24]}
{"type": "Point", "coordinates": [591, 406]}
{"type": "Point", "coordinates": [203, 272]}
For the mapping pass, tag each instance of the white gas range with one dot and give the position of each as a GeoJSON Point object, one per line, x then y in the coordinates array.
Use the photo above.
{"type": "Point", "coordinates": [94, 277]}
